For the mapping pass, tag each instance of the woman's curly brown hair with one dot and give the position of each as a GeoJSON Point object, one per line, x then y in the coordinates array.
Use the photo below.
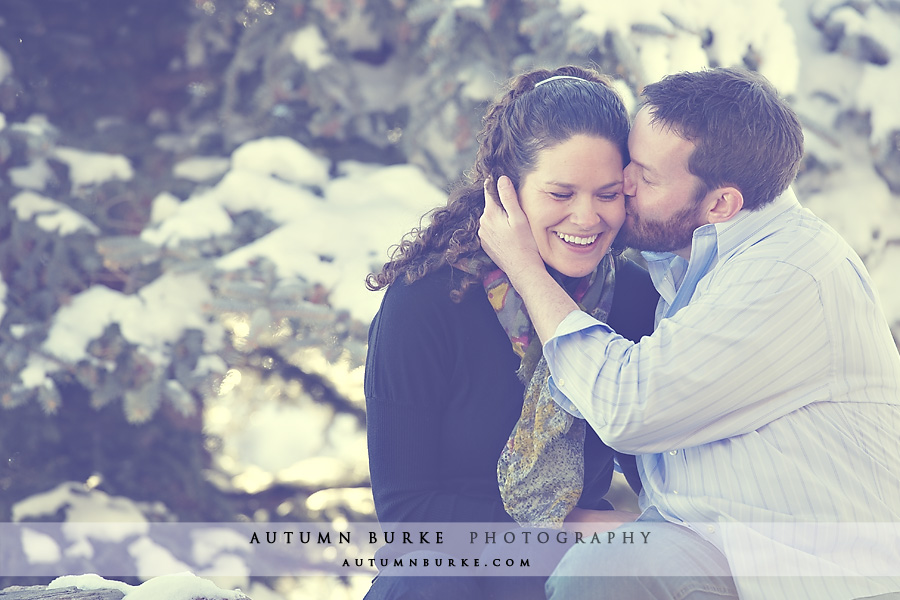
{"type": "Point", "coordinates": [517, 126]}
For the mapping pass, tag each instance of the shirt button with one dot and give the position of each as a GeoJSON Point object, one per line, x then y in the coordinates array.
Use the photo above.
{"type": "Point", "coordinates": [710, 529]}
{"type": "Point", "coordinates": [674, 491]}
{"type": "Point", "coordinates": [562, 382]}
{"type": "Point", "coordinates": [673, 452]}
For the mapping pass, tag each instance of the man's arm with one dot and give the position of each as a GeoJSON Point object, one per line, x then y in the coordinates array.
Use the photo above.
{"type": "Point", "coordinates": [731, 361]}
{"type": "Point", "coordinates": [506, 238]}
{"type": "Point", "coordinates": [741, 354]}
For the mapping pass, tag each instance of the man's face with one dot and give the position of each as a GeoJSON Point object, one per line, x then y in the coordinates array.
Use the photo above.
{"type": "Point", "coordinates": [661, 207]}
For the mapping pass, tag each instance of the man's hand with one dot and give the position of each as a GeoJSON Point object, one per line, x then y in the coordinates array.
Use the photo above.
{"type": "Point", "coordinates": [506, 237]}
{"type": "Point", "coordinates": [505, 233]}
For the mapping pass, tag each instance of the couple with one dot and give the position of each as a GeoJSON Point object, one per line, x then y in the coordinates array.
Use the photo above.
{"type": "Point", "coordinates": [763, 407]}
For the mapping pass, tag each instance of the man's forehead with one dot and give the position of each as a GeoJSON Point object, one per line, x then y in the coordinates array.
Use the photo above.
{"type": "Point", "coordinates": [656, 146]}
{"type": "Point", "coordinates": [645, 119]}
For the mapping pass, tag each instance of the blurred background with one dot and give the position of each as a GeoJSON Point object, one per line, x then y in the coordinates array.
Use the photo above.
{"type": "Point", "coordinates": [194, 190]}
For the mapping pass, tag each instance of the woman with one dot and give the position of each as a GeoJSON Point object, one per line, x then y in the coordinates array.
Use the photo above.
{"type": "Point", "coordinates": [450, 362]}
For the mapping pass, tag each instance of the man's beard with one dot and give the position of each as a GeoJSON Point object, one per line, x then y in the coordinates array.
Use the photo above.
{"type": "Point", "coordinates": [673, 234]}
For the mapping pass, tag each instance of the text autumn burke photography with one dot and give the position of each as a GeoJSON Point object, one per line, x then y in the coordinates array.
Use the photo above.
{"type": "Point", "coordinates": [449, 549]}
{"type": "Point", "coordinates": [428, 538]}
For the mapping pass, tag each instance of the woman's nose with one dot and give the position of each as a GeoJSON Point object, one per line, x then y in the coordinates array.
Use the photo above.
{"type": "Point", "coordinates": [584, 213]}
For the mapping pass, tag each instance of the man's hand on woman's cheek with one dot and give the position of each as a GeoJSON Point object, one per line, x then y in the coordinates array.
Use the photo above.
{"type": "Point", "coordinates": [505, 233]}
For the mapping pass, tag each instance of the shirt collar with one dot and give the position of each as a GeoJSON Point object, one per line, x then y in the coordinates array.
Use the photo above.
{"type": "Point", "coordinates": [732, 233]}
{"type": "Point", "coordinates": [746, 225]}
{"type": "Point", "coordinates": [710, 244]}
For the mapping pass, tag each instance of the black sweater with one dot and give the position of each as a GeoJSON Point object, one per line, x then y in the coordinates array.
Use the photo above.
{"type": "Point", "coordinates": [442, 397]}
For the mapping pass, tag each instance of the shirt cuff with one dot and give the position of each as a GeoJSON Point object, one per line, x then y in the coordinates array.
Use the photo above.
{"type": "Point", "coordinates": [574, 322]}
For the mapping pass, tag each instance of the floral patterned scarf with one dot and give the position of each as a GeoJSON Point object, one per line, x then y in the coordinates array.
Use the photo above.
{"type": "Point", "coordinates": [541, 468]}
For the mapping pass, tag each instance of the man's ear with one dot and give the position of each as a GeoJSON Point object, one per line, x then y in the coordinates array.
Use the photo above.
{"type": "Point", "coordinates": [724, 203]}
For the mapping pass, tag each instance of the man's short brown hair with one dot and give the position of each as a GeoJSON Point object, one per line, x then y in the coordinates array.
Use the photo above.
{"type": "Point", "coordinates": [744, 134]}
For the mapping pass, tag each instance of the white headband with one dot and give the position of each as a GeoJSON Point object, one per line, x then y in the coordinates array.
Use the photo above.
{"type": "Point", "coordinates": [555, 77]}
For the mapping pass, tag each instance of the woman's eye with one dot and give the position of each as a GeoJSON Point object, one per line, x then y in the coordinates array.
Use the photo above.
{"type": "Point", "coordinates": [561, 195]}
{"type": "Point", "coordinates": [610, 197]}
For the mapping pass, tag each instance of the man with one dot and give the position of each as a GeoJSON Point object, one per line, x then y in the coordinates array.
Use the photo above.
{"type": "Point", "coordinates": [766, 404]}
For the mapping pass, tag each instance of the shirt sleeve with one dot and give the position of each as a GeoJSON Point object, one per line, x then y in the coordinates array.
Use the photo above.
{"type": "Point", "coordinates": [732, 360]}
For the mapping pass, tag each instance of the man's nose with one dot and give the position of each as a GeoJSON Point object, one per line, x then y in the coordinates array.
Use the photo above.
{"type": "Point", "coordinates": [630, 186]}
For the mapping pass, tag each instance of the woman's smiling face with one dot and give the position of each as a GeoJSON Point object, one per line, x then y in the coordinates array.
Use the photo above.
{"type": "Point", "coordinates": [574, 202]}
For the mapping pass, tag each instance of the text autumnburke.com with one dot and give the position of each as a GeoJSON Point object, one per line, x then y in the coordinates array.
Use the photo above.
{"type": "Point", "coordinates": [428, 538]}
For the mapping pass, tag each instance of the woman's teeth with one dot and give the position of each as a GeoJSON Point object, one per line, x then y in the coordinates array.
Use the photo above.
{"type": "Point", "coordinates": [580, 241]}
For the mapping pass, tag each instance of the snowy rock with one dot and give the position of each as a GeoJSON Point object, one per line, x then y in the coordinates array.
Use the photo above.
{"type": "Point", "coordinates": [181, 586]}
{"type": "Point", "coordinates": [39, 592]}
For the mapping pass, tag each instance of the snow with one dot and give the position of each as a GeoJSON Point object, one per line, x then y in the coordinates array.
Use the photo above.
{"type": "Point", "coordinates": [200, 217]}
{"type": "Point", "coordinates": [91, 168]}
{"type": "Point", "coordinates": [878, 90]}
{"type": "Point", "coordinates": [151, 559]}
{"type": "Point", "coordinates": [284, 158]}
{"type": "Point", "coordinates": [89, 581]}
{"type": "Point", "coordinates": [83, 505]}
{"type": "Point", "coordinates": [288, 432]}
{"type": "Point", "coordinates": [163, 206]}
{"type": "Point", "coordinates": [201, 168]}
{"type": "Point", "coordinates": [294, 441]}
{"type": "Point", "coordinates": [50, 215]}
{"type": "Point", "coordinates": [83, 320]}
{"type": "Point", "coordinates": [36, 125]}
{"type": "Point", "coordinates": [207, 544]}
{"type": "Point", "coordinates": [33, 176]}
{"type": "Point", "coordinates": [34, 374]}
{"type": "Point", "coordinates": [179, 586]}
{"type": "Point", "coordinates": [92, 520]}
{"type": "Point", "coordinates": [309, 46]}
{"type": "Point", "coordinates": [884, 276]}
{"type": "Point", "coordinates": [760, 26]}
{"type": "Point", "coordinates": [335, 240]}
{"type": "Point", "coordinates": [270, 175]}
{"type": "Point", "coordinates": [855, 226]}
{"type": "Point", "coordinates": [90, 517]}
{"type": "Point", "coordinates": [332, 224]}
{"type": "Point", "coordinates": [154, 318]}
{"type": "Point", "coordinates": [40, 547]}
{"type": "Point", "coordinates": [480, 83]}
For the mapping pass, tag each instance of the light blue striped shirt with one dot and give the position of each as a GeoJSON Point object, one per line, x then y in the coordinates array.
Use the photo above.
{"type": "Point", "coordinates": [769, 392]}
